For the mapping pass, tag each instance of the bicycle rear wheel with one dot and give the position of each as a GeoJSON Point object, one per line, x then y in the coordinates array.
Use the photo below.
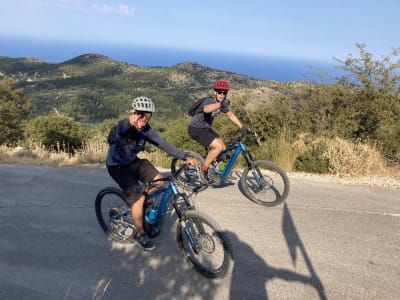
{"type": "Point", "coordinates": [114, 215]}
{"type": "Point", "coordinates": [190, 176]}
{"type": "Point", "coordinates": [204, 244]}
{"type": "Point", "coordinates": [265, 183]}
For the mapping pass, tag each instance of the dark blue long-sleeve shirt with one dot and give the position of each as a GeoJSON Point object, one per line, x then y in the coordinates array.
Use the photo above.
{"type": "Point", "coordinates": [127, 142]}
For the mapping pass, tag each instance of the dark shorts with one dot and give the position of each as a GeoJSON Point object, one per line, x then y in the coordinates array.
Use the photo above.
{"type": "Point", "coordinates": [128, 177]}
{"type": "Point", "coordinates": [204, 136]}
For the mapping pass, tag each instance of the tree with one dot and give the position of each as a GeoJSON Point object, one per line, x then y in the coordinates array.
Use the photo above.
{"type": "Point", "coordinates": [14, 108]}
{"type": "Point", "coordinates": [375, 104]}
{"type": "Point", "coordinates": [372, 75]}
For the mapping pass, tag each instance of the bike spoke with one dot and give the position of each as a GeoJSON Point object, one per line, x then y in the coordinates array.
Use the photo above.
{"type": "Point", "coordinates": [204, 245]}
{"type": "Point", "coordinates": [265, 183]}
{"type": "Point", "coordinates": [114, 215]}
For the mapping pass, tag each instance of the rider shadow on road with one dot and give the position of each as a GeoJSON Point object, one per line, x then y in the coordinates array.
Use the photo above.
{"type": "Point", "coordinates": [251, 274]}
{"type": "Point", "coordinates": [162, 273]}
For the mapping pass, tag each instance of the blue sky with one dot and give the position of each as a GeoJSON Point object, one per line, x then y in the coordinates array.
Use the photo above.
{"type": "Point", "coordinates": [307, 29]}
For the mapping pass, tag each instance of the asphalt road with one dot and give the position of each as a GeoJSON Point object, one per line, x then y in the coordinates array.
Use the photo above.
{"type": "Point", "coordinates": [328, 241]}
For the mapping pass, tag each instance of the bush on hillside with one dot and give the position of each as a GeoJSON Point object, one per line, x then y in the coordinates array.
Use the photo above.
{"type": "Point", "coordinates": [56, 131]}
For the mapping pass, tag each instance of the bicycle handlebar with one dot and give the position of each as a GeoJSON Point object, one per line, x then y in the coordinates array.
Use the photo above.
{"type": "Point", "coordinates": [242, 135]}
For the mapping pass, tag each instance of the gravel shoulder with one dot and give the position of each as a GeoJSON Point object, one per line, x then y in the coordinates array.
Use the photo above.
{"type": "Point", "coordinates": [373, 181]}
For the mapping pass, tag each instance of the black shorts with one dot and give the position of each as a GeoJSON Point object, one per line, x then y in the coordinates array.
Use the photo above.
{"type": "Point", "coordinates": [128, 177]}
{"type": "Point", "coordinates": [204, 136]}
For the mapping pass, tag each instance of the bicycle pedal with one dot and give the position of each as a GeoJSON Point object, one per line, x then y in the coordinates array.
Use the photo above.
{"type": "Point", "coordinates": [213, 178]}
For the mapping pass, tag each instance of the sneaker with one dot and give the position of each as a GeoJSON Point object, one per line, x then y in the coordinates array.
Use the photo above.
{"type": "Point", "coordinates": [144, 242]}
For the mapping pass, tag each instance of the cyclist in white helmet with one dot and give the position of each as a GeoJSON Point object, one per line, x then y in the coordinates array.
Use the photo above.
{"type": "Point", "coordinates": [126, 141]}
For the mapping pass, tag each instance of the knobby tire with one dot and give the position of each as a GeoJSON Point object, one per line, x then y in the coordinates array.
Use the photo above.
{"type": "Point", "coordinates": [213, 258]}
{"type": "Point", "coordinates": [111, 199]}
{"type": "Point", "coordinates": [274, 187]}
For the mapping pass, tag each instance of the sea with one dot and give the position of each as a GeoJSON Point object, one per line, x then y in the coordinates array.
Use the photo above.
{"type": "Point", "coordinates": [262, 67]}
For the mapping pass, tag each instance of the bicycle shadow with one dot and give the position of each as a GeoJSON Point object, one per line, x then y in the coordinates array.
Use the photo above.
{"type": "Point", "coordinates": [60, 252]}
{"type": "Point", "coordinates": [138, 273]}
{"type": "Point", "coordinates": [163, 273]}
{"type": "Point", "coordinates": [252, 274]}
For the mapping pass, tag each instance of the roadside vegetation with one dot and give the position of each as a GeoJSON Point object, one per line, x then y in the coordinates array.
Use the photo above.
{"type": "Point", "coordinates": [348, 128]}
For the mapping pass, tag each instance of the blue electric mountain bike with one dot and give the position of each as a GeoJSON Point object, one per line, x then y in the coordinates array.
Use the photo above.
{"type": "Point", "coordinates": [262, 181]}
{"type": "Point", "coordinates": [201, 240]}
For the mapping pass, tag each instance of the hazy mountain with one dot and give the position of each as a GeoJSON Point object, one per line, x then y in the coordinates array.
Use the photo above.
{"type": "Point", "coordinates": [92, 87]}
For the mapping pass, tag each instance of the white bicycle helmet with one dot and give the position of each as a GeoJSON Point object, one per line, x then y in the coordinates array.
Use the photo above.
{"type": "Point", "coordinates": [143, 103]}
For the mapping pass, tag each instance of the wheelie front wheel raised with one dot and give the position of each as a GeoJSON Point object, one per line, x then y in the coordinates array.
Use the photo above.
{"type": "Point", "coordinates": [205, 245]}
{"type": "Point", "coordinates": [265, 183]}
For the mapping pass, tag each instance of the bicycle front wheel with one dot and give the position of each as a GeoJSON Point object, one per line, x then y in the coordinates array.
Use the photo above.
{"type": "Point", "coordinates": [265, 183]}
{"type": "Point", "coordinates": [204, 244]}
{"type": "Point", "coordinates": [190, 176]}
{"type": "Point", "coordinates": [114, 215]}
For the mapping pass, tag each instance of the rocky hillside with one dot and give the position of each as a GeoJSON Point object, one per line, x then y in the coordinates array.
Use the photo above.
{"type": "Point", "coordinates": [92, 87]}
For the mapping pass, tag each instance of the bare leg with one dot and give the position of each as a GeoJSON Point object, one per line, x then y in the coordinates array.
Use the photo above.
{"type": "Point", "coordinates": [216, 147]}
{"type": "Point", "coordinates": [137, 214]}
{"type": "Point", "coordinates": [137, 208]}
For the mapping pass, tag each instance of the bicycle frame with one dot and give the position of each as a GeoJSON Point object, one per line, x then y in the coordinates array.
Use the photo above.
{"type": "Point", "coordinates": [256, 180]}
{"type": "Point", "coordinates": [202, 241]}
{"type": "Point", "coordinates": [167, 193]}
{"type": "Point", "coordinates": [238, 147]}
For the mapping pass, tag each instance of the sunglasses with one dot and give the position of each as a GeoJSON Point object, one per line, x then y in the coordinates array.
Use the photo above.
{"type": "Point", "coordinates": [222, 92]}
{"type": "Point", "coordinates": [143, 114]}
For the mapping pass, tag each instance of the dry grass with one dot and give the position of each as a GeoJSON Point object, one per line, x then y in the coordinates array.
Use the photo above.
{"type": "Point", "coordinates": [284, 154]}
{"type": "Point", "coordinates": [92, 152]}
{"type": "Point", "coordinates": [36, 155]}
{"type": "Point", "coordinates": [345, 159]}
{"type": "Point", "coordinates": [353, 159]}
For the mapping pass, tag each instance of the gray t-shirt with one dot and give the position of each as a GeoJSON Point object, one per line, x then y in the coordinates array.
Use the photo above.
{"type": "Point", "coordinates": [205, 120]}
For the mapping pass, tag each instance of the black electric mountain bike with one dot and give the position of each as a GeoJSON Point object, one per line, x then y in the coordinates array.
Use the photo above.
{"type": "Point", "coordinates": [201, 240]}
{"type": "Point", "coordinates": [262, 181]}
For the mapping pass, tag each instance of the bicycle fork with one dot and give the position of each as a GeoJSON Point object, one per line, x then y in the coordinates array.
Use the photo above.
{"type": "Point", "coordinates": [254, 170]}
{"type": "Point", "coordinates": [193, 243]}
{"type": "Point", "coordinates": [258, 176]}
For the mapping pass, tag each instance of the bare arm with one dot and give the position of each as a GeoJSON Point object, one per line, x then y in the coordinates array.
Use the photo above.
{"type": "Point", "coordinates": [235, 120]}
{"type": "Point", "coordinates": [211, 107]}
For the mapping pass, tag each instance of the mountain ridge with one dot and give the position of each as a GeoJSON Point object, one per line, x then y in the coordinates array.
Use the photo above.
{"type": "Point", "coordinates": [92, 87]}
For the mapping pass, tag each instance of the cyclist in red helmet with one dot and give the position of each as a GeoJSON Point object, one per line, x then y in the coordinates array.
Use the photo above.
{"type": "Point", "coordinates": [200, 125]}
{"type": "Point", "coordinates": [221, 85]}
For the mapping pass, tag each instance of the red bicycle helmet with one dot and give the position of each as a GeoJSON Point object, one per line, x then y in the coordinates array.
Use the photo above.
{"type": "Point", "coordinates": [221, 85]}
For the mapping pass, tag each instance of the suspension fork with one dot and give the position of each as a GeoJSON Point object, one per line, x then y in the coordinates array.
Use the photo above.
{"type": "Point", "coordinates": [195, 246]}
{"type": "Point", "coordinates": [254, 170]}
{"type": "Point", "coordinates": [247, 155]}
{"type": "Point", "coordinates": [186, 231]}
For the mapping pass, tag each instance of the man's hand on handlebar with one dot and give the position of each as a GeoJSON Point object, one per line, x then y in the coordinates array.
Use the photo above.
{"type": "Point", "coordinates": [244, 130]}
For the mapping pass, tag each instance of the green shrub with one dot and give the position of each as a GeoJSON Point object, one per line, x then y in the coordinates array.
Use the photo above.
{"type": "Point", "coordinates": [311, 162]}
{"type": "Point", "coordinates": [14, 109]}
{"type": "Point", "coordinates": [55, 131]}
